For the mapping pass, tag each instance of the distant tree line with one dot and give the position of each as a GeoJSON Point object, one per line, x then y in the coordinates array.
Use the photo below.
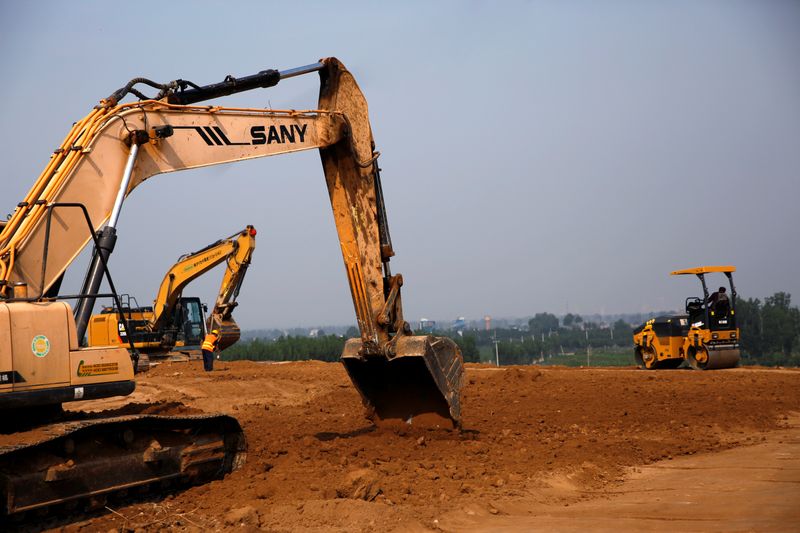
{"type": "Point", "coordinates": [322, 348]}
{"type": "Point", "coordinates": [770, 332]}
{"type": "Point", "coordinates": [289, 348]}
{"type": "Point", "coordinates": [547, 335]}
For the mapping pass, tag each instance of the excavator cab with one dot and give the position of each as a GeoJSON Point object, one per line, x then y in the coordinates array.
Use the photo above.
{"type": "Point", "coordinates": [188, 316]}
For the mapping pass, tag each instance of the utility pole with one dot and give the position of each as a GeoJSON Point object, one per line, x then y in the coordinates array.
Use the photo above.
{"type": "Point", "coordinates": [588, 347]}
{"type": "Point", "coordinates": [496, 351]}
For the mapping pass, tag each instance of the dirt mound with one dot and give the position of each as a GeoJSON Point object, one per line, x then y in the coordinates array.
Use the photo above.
{"type": "Point", "coordinates": [315, 463]}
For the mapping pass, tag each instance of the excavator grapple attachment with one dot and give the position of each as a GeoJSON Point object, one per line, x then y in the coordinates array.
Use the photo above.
{"type": "Point", "coordinates": [422, 380]}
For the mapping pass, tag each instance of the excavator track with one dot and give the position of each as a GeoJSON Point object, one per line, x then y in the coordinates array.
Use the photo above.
{"type": "Point", "coordinates": [70, 462]}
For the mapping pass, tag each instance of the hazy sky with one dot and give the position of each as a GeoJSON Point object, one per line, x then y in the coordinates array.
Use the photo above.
{"type": "Point", "coordinates": [537, 156]}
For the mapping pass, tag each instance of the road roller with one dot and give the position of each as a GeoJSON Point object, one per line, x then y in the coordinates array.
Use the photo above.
{"type": "Point", "coordinates": [705, 337]}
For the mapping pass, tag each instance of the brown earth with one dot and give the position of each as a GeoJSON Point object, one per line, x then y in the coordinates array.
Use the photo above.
{"type": "Point", "coordinates": [533, 439]}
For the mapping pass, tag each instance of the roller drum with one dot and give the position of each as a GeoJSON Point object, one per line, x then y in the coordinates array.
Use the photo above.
{"type": "Point", "coordinates": [717, 358]}
{"type": "Point", "coordinates": [723, 358]}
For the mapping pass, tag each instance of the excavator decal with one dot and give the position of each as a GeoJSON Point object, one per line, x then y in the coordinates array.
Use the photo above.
{"type": "Point", "coordinates": [201, 261]}
{"type": "Point", "coordinates": [212, 135]}
{"type": "Point", "coordinates": [99, 369]}
{"type": "Point", "coordinates": [40, 345]}
{"type": "Point", "coordinates": [286, 135]}
{"type": "Point", "coordinates": [215, 136]}
{"type": "Point", "coordinates": [11, 377]}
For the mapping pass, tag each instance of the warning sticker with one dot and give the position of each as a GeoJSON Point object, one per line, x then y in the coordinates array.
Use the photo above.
{"type": "Point", "coordinates": [99, 369]}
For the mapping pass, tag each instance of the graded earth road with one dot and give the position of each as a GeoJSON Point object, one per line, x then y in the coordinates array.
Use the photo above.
{"type": "Point", "coordinates": [541, 449]}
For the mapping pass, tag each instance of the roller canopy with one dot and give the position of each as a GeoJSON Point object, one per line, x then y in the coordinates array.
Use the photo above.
{"type": "Point", "coordinates": [703, 270]}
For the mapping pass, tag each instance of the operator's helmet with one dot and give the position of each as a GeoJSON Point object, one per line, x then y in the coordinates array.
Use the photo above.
{"type": "Point", "coordinates": [215, 332]}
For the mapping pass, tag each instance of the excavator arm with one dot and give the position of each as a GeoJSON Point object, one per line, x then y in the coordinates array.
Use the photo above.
{"type": "Point", "coordinates": [237, 263]}
{"type": "Point", "coordinates": [118, 146]}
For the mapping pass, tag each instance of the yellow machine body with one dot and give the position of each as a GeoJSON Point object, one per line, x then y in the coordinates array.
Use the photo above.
{"type": "Point", "coordinates": [706, 337]}
{"type": "Point", "coordinates": [46, 363]}
{"type": "Point", "coordinates": [701, 347]}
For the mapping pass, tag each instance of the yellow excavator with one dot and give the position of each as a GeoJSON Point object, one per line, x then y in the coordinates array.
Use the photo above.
{"type": "Point", "coordinates": [705, 336]}
{"type": "Point", "coordinates": [175, 321]}
{"type": "Point", "coordinates": [78, 198]}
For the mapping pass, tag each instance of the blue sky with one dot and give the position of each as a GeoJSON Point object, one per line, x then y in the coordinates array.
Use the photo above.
{"type": "Point", "coordinates": [536, 155]}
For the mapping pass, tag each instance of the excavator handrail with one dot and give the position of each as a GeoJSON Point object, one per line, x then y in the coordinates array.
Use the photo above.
{"type": "Point", "coordinates": [113, 294]}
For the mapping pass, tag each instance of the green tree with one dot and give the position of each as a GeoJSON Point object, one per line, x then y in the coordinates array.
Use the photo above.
{"type": "Point", "coordinates": [469, 348]}
{"type": "Point", "coordinates": [749, 321]}
{"type": "Point", "coordinates": [770, 330]}
{"type": "Point", "coordinates": [543, 323]}
{"type": "Point", "coordinates": [623, 332]}
{"type": "Point", "coordinates": [781, 322]}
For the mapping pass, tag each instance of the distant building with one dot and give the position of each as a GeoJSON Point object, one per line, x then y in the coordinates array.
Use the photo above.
{"type": "Point", "coordinates": [460, 323]}
{"type": "Point", "coordinates": [487, 323]}
{"type": "Point", "coordinates": [426, 325]}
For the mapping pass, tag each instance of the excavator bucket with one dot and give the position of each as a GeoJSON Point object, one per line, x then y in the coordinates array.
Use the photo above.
{"type": "Point", "coordinates": [420, 384]}
{"type": "Point", "coordinates": [229, 332]}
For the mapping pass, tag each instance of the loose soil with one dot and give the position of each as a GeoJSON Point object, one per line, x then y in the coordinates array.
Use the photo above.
{"type": "Point", "coordinates": [533, 440]}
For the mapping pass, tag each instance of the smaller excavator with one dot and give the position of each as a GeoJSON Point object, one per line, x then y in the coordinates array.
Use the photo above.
{"type": "Point", "coordinates": [175, 321]}
{"type": "Point", "coordinates": [706, 336]}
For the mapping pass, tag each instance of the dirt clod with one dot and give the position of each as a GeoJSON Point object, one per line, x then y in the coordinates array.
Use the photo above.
{"type": "Point", "coordinates": [243, 515]}
{"type": "Point", "coordinates": [361, 484]}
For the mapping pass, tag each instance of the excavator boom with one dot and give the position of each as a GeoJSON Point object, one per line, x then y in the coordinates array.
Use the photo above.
{"type": "Point", "coordinates": [221, 316]}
